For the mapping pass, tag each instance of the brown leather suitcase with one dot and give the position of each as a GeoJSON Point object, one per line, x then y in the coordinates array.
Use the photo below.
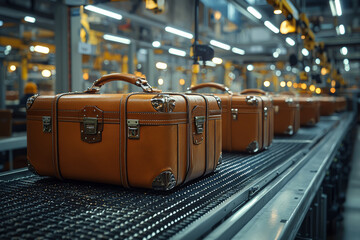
{"type": "Point", "coordinates": [146, 139]}
{"type": "Point", "coordinates": [327, 105]}
{"type": "Point", "coordinates": [309, 111]}
{"type": "Point", "coordinates": [268, 114]}
{"type": "Point", "coordinates": [5, 122]}
{"type": "Point", "coordinates": [341, 104]}
{"type": "Point", "coordinates": [242, 117]}
{"type": "Point", "coordinates": [286, 115]}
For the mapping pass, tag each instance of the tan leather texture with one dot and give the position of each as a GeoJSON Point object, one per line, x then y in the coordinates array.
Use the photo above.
{"type": "Point", "coordinates": [219, 86]}
{"type": "Point", "coordinates": [131, 154]}
{"type": "Point", "coordinates": [286, 115]}
{"type": "Point", "coordinates": [309, 111]}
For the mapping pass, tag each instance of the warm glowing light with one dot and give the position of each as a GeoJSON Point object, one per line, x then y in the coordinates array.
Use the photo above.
{"type": "Point", "coordinates": [312, 88]}
{"type": "Point", "coordinates": [40, 49]}
{"type": "Point", "coordinates": [161, 65]}
{"type": "Point", "coordinates": [12, 68]}
{"type": "Point", "coordinates": [333, 83]}
{"type": "Point", "coordinates": [289, 84]}
{"type": "Point", "coordinates": [86, 76]}
{"type": "Point", "coordinates": [323, 71]}
{"type": "Point", "coordinates": [282, 84]}
{"type": "Point", "coordinates": [318, 90]}
{"type": "Point", "coordinates": [217, 60]}
{"type": "Point", "coordinates": [267, 83]}
{"type": "Point", "coordinates": [182, 82]}
{"type": "Point", "coordinates": [277, 11]}
{"type": "Point", "coordinates": [332, 90]}
{"type": "Point", "coordinates": [303, 86]}
{"type": "Point", "coordinates": [160, 81]}
{"type": "Point", "coordinates": [295, 85]}
{"type": "Point", "coordinates": [217, 15]}
{"type": "Point", "coordinates": [302, 37]}
{"type": "Point", "coordinates": [46, 73]}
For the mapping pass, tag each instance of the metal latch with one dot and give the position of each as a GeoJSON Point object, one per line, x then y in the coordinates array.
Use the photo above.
{"type": "Point", "coordinates": [90, 125]}
{"type": "Point", "coordinates": [265, 112]}
{"type": "Point", "coordinates": [46, 120]}
{"type": "Point", "coordinates": [133, 128]}
{"type": "Point", "coordinates": [199, 124]}
{"type": "Point", "coordinates": [234, 113]}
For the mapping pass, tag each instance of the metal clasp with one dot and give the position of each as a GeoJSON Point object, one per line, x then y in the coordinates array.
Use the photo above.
{"type": "Point", "coordinates": [234, 113]}
{"type": "Point", "coordinates": [265, 112]}
{"type": "Point", "coordinates": [133, 128]}
{"type": "Point", "coordinates": [46, 120]}
{"type": "Point", "coordinates": [90, 125]}
{"type": "Point", "coordinates": [199, 124]}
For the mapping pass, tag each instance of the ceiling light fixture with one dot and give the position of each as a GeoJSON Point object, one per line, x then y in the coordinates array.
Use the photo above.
{"type": "Point", "coordinates": [238, 51]}
{"type": "Point", "coordinates": [217, 60]}
{"type": "Point", "coordinates": [161, 65]}
{"type": "Point", "coordinates": [220, 45]}
{"type": "Point", "coordinates": [344, 51]}
{"type": "Point", "coordinates": [156, 44]}
{"type": "Point", "coordinates": [116, 39]}
{"type": "Point", "coordinates": [342, 29]}
{"type": "Point", "coordinates": [177, 52]}
{"type": "Point", "coordinates": [305, 52]}
{"type": "Point", "coordinates": [103, 12]}
{"type": "Point", "coordinates": [178, 32]}
{"type": "Point", "coordinates": [270, 26]}
{"type": "Point", "coordinates": [290, 41]}
{"type": "Point", "coordinates": [338, 8]}
{"type": "Point", "coordinates": [254, 12]}
{"type": "Point", "coordinates": [29, 19]}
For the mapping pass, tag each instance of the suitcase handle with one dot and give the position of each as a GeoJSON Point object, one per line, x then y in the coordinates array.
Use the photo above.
{"type": "Point", "coordinates": [126, 77]}
{"type": "Point", "coordinates": [253, 91]}
{"type": "Point", "coordinates": [210, 85]}
{"type": "Point", "coordinates": [288, 93]}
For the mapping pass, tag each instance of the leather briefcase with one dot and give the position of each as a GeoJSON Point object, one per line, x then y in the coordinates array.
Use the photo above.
{"type": "Point", "coordinates": [327, 105]}
{"type": "Point", "coordinates": [145, 139]}
{"type": "Point", "coordinates": [242, 118]}
{"type": "Point", "coordinates": [268, 114]}
{"type": "Point", "coordinates": [286, 115]}
{"type": "Point", "coordinates": [341, 104]}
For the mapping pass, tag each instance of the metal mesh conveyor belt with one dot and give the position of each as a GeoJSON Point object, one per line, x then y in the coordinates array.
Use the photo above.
{"type": "Point", "coordinates": [42, 207]}
{"type": "Point", "coordinates": [33, 206]}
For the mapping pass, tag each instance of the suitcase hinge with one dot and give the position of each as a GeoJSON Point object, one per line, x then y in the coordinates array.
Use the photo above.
{"type": "Point", "coordinates": [251, 100]}
{"type": "Point", "coordinates": [133, 128]}
{"type": "Point", "coordinates": [46, 120]}
{"type": "Point", "coordinates": [265, 112]}
{"type": "Point", "coordinates": [234, 113]}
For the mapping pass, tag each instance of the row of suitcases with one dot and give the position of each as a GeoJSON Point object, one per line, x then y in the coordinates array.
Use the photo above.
{"type": "Point", "coordinates": [151, 139]}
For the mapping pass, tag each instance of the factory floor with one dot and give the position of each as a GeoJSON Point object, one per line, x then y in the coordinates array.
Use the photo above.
{"type": "Point", "coordinates": [350, 228]}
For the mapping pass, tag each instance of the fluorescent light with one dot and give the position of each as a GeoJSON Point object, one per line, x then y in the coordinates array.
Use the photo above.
{"type": "Point", "coordinates": [347, 67]}
{"type": "Point", "coordinates": [46, 73]}
{"type": "Point", "coordinates": [220, 44]}
{"type": "Point", "coordinates": [288, 68]}
{"type": "Point", "coordinates": [290, 41]}
{"type": "Point", "coordinates": [1, 23]}
{"type": "Point", "coordinates": [208, 63]}
{"type": "Point", "coordinates": [317, 61]}
{"type": "Point", "coordinates": [278, 73]}
{"type": "Point", "coordinates": [272, 67]}
{"type": "Point", "coordinates": [217, 60]}
{"type": "Point", "coordinates": [116, 39]}
{"type": "Point", "coordinates": [41, 49]}
{"type": "Point", "coordinates": [160, 81]}
{"type": "Point", "coordinates": [156, 44]}
{"type": "Point", "coordinates": [315, 68]}
{"type": "Point", "coordinates": [338, 8]}
{"type": "Point", "coordinates": [270, 26]}
{"type": "Point", "coordinates": [307, 69]}
{"type": "Point", "coordinates": [254, 12]}
{"type": "Point", "coordinates": [103, 12]}
{"type": "Point", "coordinates": [346, 61]}
{"type": "Point", "coordinates": [275, 54]}
{"type": "Point", "coordinates": [161, 65]}
{"type": "Point", "coordinates": [342, 29]}
{"type": "Point", "coordinates": [30, 19]}
{"type": "Point", "coordinates": [332, 8]}
{"type": "Point", "coordinates": [305, 52]}
{"type": "Point", "coordinates": [179, 32]}
{"type": "Point", "coordinates": [177, 52]}
{"type": "Point", "coordinates": [250, 67]}
{"type": "Point", "coordinates": [238, 51]}
{"type": "Point", "coordinates": [344, 51]}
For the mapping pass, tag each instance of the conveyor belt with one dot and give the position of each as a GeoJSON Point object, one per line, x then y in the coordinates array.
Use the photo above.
{"type": "Point", "coordinates": [33, 206]}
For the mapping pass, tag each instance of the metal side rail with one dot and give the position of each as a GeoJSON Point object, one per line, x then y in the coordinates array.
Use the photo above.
{"type": "Point", "coordinates": [42, 207]}
{"type": "Point", "coordinates": [279, 209]}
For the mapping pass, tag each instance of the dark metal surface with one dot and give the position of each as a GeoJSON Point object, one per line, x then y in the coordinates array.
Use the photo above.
{"type": "Point", "coordinates": [33, 206]}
